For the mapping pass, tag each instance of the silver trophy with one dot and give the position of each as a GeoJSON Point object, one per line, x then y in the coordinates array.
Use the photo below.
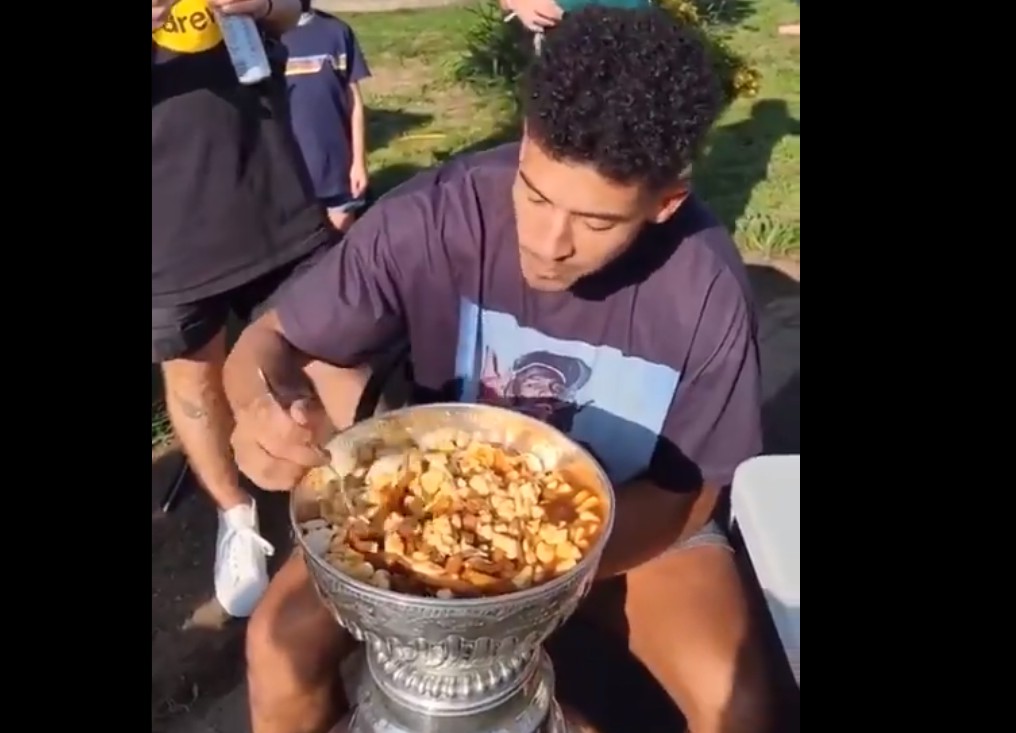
{"type": "Point", "coordinates": [465, 665]}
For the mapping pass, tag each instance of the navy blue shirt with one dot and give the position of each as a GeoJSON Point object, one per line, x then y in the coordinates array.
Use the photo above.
{"type": "Point", "coordinates": [324, 59]}
{"type": "Point", "coordinates": [652, 363]}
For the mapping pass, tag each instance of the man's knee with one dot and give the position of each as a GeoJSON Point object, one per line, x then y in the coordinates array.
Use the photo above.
{"type": "Point", "coordinates": [691, 625]}
{"type": "Point", "coordinates": [716, 707]}
{"type": "Point", "coordinates": [293, 642]}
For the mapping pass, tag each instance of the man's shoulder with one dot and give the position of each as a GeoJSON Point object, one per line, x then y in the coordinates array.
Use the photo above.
{"type": "Point", "coordinates": [446, 209]}
{"type": "Point", "coordinates": [468, 178]}
{"type": "Point", "coordinates": [704, 256]}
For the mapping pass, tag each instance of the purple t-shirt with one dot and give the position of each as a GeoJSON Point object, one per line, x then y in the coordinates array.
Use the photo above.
{"type": "Point", "coordinates": [651, 363]}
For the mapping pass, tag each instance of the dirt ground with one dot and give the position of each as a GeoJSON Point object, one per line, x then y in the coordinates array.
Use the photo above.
{"type": "Point", "coordinates": [197, 654]}
{"type": "Point", "coordinates": [196, 649]}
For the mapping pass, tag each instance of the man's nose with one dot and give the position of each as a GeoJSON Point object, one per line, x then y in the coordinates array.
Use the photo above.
{"type": "Point", "coordinates": [554, 243]}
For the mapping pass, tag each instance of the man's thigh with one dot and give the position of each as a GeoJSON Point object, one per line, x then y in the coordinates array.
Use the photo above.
{"type": "Point", "coordinates": [182, 331]}
{"type": "Point", "coordinates": [251, 300]}
{"type": "Point", "coordinates": [292, 621]}
{"type": "Point", "coordinates": [680, 625]}
{"type": "Point", "coordinates": [343, 211]}
{"type": "Point", "coordinates": [637, 700]}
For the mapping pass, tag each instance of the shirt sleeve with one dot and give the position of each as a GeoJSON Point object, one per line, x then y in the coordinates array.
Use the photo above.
{"type": "Point", "coordinates": [358, 69]}
{"type": "Point", "coordinates": [350, 305]}
{"type": "Point", "coordinates": [714, 422]}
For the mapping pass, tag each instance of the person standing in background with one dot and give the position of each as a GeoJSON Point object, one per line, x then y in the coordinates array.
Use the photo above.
{"type": "Point", "coordinates": [791, 29]}
{"type": "Point", "coordinates": [323, 73]}
{"type": "Point", "coordinates": [233, 217]}
{"type": "Point", "coordinates": [536, 15]}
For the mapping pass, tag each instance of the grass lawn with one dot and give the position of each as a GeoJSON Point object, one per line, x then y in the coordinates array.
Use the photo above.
{"type": "Point", "coordinates": [750, 173]}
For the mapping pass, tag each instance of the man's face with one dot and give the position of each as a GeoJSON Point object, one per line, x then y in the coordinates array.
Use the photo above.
{"type": "Point", "coordinates": [572, 221]}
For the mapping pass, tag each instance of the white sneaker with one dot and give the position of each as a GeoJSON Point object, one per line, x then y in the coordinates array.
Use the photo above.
{"type": "Point", "coordinates": [241, 574]}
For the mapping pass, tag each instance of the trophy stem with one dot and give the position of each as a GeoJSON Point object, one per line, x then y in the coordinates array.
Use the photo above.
{"type": "Point", "coordinates": [528, 706]}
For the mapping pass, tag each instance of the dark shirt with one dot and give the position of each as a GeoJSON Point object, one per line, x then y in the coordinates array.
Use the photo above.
{"type": "Point", "coordinates": [231, 199]}
{"type": "Point", "coordinates": [651, 363]}
{"type": "Point", "coordinates": [323, 60]}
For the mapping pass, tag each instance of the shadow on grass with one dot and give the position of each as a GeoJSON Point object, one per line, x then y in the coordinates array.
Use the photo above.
{"type": "Point", "coordinates": [387, 178]}
{"type": "Point", "coordinates": [738, 158]}
{"type": "Point", "coordinates": [386, 125]}
{"type": "Point", "coordinates": [736, 162]}
{"type": "Point", "coordinates": [778, 298]}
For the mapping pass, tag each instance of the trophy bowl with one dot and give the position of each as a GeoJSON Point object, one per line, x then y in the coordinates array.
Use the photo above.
{"type": "Point", "coordinates": [460, 655]}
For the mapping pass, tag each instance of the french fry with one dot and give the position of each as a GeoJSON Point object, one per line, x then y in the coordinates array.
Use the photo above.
{"type": "Point", "coordinates": [453, 517]}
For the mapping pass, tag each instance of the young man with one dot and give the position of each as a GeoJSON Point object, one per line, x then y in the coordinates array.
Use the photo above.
{"type": "Point", "coordinates": [233, 215]}
{"type": "Point", "coordinates": [323, 75]}
{"type": "Point", "coordinates": [574, 276]}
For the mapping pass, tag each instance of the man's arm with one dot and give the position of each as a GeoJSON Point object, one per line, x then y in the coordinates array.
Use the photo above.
{"type": "Point", "coordinates": [358, 130]}
{"type": "Point", "coordinates": [344, 310]}
{"type": "Point", "coordinates": [714, 424]}
{"type": "Point", "coordinates": [358, 71]}
{"type": "Point", "coordinates": [277, 16]}
{"type": "Point", "coordinates": [282, 15]}
{"type": "Point", "coordinates": [263, 345]}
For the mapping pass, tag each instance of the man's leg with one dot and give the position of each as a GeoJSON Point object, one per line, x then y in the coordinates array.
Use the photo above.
{"type": "Point", "coordinates": [190, 343]}
{"type": "Point", "coordinates": [690, 624]}
{"type": "Point", "coordinates": [342, 211]}
{"type": "Point", "coordinates": [685, 617]}
{"type": "Point", "coordinates": [294, 644]}
{"type": "Point", "coordinates": [294, 650]}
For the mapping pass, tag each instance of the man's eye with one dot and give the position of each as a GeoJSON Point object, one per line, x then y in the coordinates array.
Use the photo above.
{"type": "Point", "coordinates": [601, 226]}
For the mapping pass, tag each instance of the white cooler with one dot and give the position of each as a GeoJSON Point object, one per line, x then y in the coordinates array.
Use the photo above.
{"type": "Point", "coordinates": [766, 506]}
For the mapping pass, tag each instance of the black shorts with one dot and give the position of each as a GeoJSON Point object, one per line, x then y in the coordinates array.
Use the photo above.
{"type": "Point", "coordinates": [180, 330]}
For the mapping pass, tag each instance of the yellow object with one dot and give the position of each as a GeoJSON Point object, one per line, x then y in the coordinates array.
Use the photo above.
{"type": "Point", "coordinates": [191, 28]}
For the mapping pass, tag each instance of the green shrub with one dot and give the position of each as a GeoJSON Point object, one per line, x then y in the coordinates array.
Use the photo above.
{"type": "Point", "coordinates": [497, 52]}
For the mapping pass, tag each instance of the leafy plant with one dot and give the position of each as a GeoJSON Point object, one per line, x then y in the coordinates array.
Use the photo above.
{"type": "Point", "coordinates": [497, 52]}
{"type": "Point", "coordinates": [737, 77]}
{"type": "Point", "coordinates": [768, 236]}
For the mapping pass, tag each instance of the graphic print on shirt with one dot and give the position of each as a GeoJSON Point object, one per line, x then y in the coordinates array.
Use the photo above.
{"type": "Point", "coordinates": [190, 28]}
{"type": "Point", "coordinates": [613, 404]}
{"type": "Point", "coordinates": [299, 65]}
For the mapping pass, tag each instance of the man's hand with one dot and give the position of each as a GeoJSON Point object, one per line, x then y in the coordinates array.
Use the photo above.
{"type": "Point", "coordinates": [275, 446]}
{"type": "Point", "coordinates": [535, 14]}
{"type": "Point", "coordinates": [160, 12]}
{"type": "Point", "coordinates": [358, 180]}
{"type": "Point", "coordinates": [256, 9]}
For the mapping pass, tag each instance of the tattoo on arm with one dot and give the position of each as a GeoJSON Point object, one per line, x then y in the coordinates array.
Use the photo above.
{"type": "Point", "coordinates": [189, 409]}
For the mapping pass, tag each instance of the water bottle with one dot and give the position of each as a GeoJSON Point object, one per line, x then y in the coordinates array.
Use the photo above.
{"type": "Point", "coordinates": [243, 42]}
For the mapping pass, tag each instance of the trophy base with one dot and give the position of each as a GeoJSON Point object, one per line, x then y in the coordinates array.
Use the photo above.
{"type": "Point", "coordinates": [555, 722]}
{"type": "Point", "coordinates": [532, 709]}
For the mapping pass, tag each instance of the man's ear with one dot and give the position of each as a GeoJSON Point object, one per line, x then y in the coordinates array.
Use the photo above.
{"type": "Point", "coordinates": [669, 202]}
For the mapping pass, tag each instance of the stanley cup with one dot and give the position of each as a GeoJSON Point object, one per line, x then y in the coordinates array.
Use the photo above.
{"type": "Point", "coordinates": [461, 665]}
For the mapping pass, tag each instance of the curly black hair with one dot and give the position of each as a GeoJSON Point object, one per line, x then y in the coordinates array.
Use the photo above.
{"type": "Point", "coordinates": [631, 92]}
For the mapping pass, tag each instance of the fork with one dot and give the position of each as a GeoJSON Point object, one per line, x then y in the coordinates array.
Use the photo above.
{"type": "Point", "coordinates": [274, 394]}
